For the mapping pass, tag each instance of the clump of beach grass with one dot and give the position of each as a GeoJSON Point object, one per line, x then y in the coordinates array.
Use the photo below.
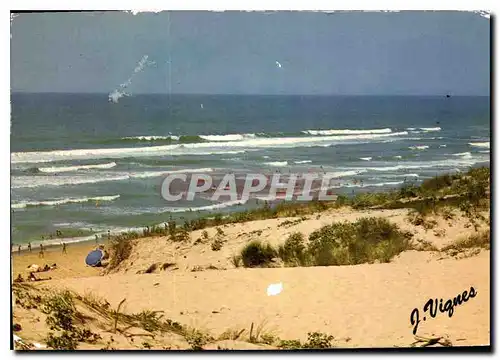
{"type": "Point", "coordinates": [257, 254]}
{"type": "Point", "coordinates": [366, 240]}
{"type": "Point", "coordinates": [478, 240]}
{"type": "Point", "coordinates": [293, 251]}
{"type": "Point", "coordinates": [121, 248]}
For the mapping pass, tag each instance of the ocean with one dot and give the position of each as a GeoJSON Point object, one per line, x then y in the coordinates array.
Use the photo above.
{"type": "Point", "coordinates": [83, 165]}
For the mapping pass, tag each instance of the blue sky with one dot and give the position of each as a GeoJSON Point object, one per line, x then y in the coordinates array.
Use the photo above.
{"type": "Point", "coordinates": [421, 53]}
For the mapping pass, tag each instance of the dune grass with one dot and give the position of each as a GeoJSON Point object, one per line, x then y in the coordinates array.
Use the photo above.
{"type": "Point", "coordinates": [293, 251]}
{"type": "Point", "coordinates": [366, 240]}
{"type": "Point", "coordinates": [121, 249]}
{"type": "Point", "coordinates": [257, 254]}
{"type": "Point", "coordinates": [478, 240]}
{"type": "Point", "coordinates": [465, 191]}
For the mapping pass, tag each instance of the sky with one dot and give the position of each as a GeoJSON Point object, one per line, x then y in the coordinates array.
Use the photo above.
{"type": "Point", "coordinates": [341, 53]}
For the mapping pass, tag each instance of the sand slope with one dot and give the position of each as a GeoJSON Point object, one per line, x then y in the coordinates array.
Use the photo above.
{"type": "Point", "coordinates": [366, 305]}
{"type": "Point", "coordinates": [370, 304]}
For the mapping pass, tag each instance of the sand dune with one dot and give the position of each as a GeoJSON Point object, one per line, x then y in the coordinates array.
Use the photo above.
{"type": "Point", "coordinates": [371, 304]}
{"type": "Point", "coordinates": [366, 305]}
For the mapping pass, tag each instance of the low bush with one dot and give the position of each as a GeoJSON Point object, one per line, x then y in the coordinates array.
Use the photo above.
{"type": "Point", "coordinates": [257, 254]}
{"type": "Point", "coordinates": [365, 240]}
{"type": "Point", "coordinates": [293, 251]}
{"type": "Point", "coordinates": [121, 248]}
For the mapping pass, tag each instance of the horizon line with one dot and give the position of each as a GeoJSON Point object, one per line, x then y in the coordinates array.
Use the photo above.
{"type": "Point", "coordinates": [241, 94]}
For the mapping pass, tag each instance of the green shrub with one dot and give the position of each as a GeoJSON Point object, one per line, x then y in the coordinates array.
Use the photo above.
{"type": "Point", "coordinates": [121, 248]}
{"type": "Point", "coordinates": [437, 183]}
{"type": "Point", "coordinates": [317, 340]}
{"type": "Point", "coordinates": [196, 339]}
{"type": "Point", "coordinates": [293, 251]}
{"type": "Point", "coordinates": [290, 344]}
{"type": "Point", "coordinates": [365, 240]}
{"type": "Point", "coordinates": [65, 341]}
{"type": "Point", "coordinates": [217, 244]}
{"type": "Point", "coordinates": [181, 235]}
{"type": "Point", "coordinates": [60, 311]}
{"type": "Point", "coordinates": [236, 260]}
{"type": "Point", "coordinates": [409, 191]}
{"type": "Point", "coordinates": [256, 254]}
{"type": "Point", "coordinates": [479, 240]}
{"type": "Point", "coordinates": [220, 232]}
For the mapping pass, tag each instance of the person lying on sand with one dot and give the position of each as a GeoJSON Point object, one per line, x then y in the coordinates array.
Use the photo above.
{"type": "Point", "coordinates": [32, 277]}
{"type": "Point", "coordinates": [34, 268]}
{"type": "Point", "coordinates": [48, 268]}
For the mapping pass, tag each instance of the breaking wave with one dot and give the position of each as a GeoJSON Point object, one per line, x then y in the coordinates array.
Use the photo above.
{"type": "Point", "coordinates": [485, 144]}
{"type": "Point", "coordinates": [211, 147]}
{"type": "Point", "coordinates": [347, 132]}
{"type": "Point", "coordinates": [37, 181]}
{"type": "Point", "coordinates": [57, 169]}
{"type": "Point", "coordinates": [25, 204]}
{"type": "Point", "coordinates": [418, 147]}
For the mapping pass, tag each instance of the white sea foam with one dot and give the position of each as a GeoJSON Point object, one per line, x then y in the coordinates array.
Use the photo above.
{"type": "Point", "coordinates": [364, 185]}
{"type": "Point", "coordinates": [431, 129]}
{"type": "Point", "coordinates": [149, 174]}
{"type": "Point", "coordinates": [418, 147]}
{"type": "Point", "coordinates": [411, 129]}
{"type": "Point", "coordinates": [37, 181]}
{"type": "Point", "coordinates": [347, 132]}
{"type": "Point", "coordinates": [191, 149]}
{"type": "Point", "coordinates": [340, 174]}
{"type": "Point", "coordinates": [205, 208]}
{"type": "Point", "coordinates": [442, 145]}
{"type": "Point", "coordinates": [303, 161]}
{"type": "Point", "coordinates": [485, 144]}
{"type": "Point", "coordinates": [447, 163]}
{"type": "Point", "coordinates": [277, 163]}
{"type": "Point", "coordinates": [366, 158]}
{"type": "Point", "coordinates": [55, 202]}
{"type": "Point", "coordinates": [405, 175]}
{"type": "Point", "coordinates": [228, 137]}
{"type": "Point", "coordinates": [398, 157]}
{"type": "Point", "coordinates": [151, 137]}
{"type": "Point", "coordinates": [464, 155]}
{"type": "Point", "coordinates": [58, 169]}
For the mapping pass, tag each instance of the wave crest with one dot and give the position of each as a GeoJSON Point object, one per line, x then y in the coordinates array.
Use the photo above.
{"type": "Point", "coordinates": [55, 202]}
{"type": "Point", "coordinates": [57, 169]}
{"type": "Point", "coordinates": [192, 149]}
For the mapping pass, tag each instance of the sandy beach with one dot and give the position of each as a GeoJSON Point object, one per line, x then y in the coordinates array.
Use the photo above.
{"type": "Point", "coordinates": [366, 305]}
{"type": "Point", "coordinates": [250, 180]}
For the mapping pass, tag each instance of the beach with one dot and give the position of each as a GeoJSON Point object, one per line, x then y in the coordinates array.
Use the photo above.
{"type": "Point", "coordinates": [365, 305]}
{"type": "Point", "coordinates": [110, 178]}
{"type": "Point", "coordinates": [250, 180]}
